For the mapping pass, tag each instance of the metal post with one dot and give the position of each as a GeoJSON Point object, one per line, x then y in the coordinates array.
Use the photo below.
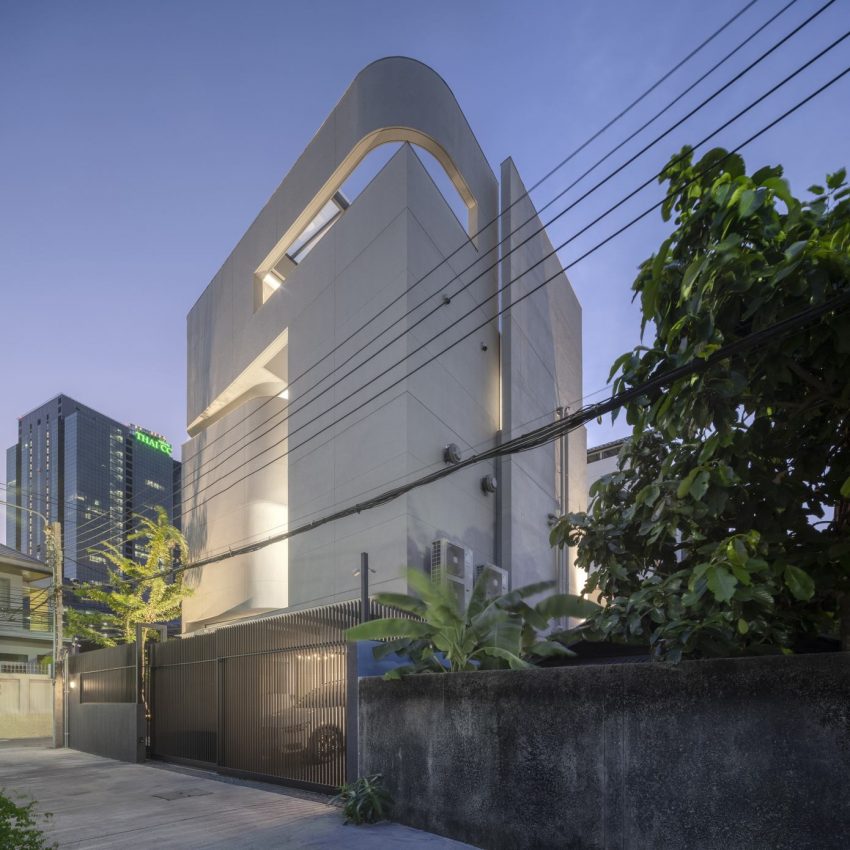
{"type": "Point", "coordinates": [65, 698]}
{"type": "Point", "coordinates": [53, 539]}
{"type": "Point", "coordinates": [143, 710]}
{"type": "Point", "coordinates": [55, 550]}
{"type": "Point", "coordinates": [364, 587]}
{"type": "Point", "coordinates": [565, 504]}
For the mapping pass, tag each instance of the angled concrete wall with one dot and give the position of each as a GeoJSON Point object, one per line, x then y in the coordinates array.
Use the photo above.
{"type": "Point", "coordinates": [541, 372]}
{"type": "Point", "coordinates": [297, 464]}
{"type": "Point", "coordinates": [745, 754]}
{"type": "Point", "coordinates": [258, 464]}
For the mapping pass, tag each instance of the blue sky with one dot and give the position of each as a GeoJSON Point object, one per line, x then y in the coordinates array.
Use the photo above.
{"type": "Point", "coordinates": [139, 140]}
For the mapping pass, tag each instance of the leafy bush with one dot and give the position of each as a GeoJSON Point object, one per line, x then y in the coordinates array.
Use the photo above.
{"type": "Point", "coordinates": [724, 529]}
{"type": "Point", "coordinates": [365, 800]}
{"type": "Point", "coordinates": [503, 632]}
{"type": "Point", "coordinates": [18, 827]}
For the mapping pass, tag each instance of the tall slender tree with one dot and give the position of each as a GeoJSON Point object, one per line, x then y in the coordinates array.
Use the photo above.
{"type": "Point", "coordinates": [136, 591]}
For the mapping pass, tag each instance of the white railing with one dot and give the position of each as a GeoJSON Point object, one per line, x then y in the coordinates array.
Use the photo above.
{"type": "Point", "coordinates": [27, 667]}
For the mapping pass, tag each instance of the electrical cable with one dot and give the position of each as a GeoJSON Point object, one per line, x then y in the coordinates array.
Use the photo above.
{"type": "Point", "coordinates": [421, 470]}
{"type": "Point", "coordinates": [303, 403]}
{"type": "Point", "coordinates": [594, 411]}
{"type": "Point", "coordinates": [500, 312]}
{"type": "Point", "coordinates": [534, 186]}
{"type": "Point", "coordinates": [547, 433]}
{"type": "Point", "coordinates": [106, 518]}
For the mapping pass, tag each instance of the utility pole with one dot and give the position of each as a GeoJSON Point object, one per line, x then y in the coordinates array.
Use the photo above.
{"type": "Point", "coordinates": [54, 554]}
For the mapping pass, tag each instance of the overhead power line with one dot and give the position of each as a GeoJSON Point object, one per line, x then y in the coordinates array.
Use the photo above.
{"type": "Point", "coordinates": [782, 117]}
{"type": "Point", "coordinates": [91, 535]}
{"type": "Point", "coordinates": [518, 300]}
{"type": "Point", "coordinates": [568, 158]}
{"type": "Point", "coordinates": [204, 468]}
{"type": "Point", "coordinates": [107, 518]}
{"type": "Point", "coordinates": [547, 433]}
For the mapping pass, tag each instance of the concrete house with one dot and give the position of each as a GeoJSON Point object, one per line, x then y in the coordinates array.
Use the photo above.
{"type": "Point", "coordinates": [26, 611]}
{"type": "Point", "coordinates": [320, 372]}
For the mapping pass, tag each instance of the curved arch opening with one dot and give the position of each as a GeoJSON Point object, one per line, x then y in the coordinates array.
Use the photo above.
{"type": "Point", "coordinates": [355, 172]}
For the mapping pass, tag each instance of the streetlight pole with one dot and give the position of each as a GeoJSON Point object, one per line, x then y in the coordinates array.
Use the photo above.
{"type": "Point", "coordinates": [53, 541]}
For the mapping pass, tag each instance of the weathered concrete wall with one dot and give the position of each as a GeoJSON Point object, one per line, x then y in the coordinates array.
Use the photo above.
{"type": "Point", "coordinates": [25, 710]}
{"type": "Point", "coordinates": [744, 754]}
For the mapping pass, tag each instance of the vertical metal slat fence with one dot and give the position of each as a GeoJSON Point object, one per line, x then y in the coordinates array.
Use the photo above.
{"type": "Point", "coordinates": [266, 698]}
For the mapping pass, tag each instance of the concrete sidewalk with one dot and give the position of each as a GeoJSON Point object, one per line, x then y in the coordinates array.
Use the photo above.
{"type": "Point", "coordinates": [99, 803]}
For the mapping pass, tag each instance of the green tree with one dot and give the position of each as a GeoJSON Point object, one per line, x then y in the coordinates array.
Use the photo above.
{"type": "Point", "coordinates": [143, 591]}
{"type": "Point", "coordinates": [723, 529]}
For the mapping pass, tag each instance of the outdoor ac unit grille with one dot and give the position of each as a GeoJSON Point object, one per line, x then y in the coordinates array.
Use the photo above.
{"type": "Point", "coordinates": [451, 565]}
{"type": "Point", "coordinates": [448, 558]}
{"type": "Point", "coordinates": [496, 580]}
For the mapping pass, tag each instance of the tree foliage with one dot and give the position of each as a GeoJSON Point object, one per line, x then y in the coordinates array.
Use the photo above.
{"type": "Point", "coordinates": [19, 828]}
{"type": "Point", "coordinates": [143, 591]}
{"type": "Point", "coordinates": [716, 534]}
{"type": "Point", "coordinates": [504, 632]}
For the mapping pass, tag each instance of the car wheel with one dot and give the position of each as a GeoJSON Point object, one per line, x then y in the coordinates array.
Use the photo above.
{"type": "Point", "coordinates": [326, 744]}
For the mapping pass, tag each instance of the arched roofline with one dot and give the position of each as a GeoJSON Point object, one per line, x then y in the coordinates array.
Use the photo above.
{"type": "Point", "coordinates": [395, 99]}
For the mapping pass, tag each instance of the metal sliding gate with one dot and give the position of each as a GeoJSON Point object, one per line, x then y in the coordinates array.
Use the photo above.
{"type": "Point", "coordinates": [272, 698]}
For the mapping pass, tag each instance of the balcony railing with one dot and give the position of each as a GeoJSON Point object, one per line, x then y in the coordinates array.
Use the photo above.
{"type": "Point", "coordinates": [26, 667]}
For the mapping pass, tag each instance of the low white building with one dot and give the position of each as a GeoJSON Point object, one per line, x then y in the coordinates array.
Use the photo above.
{"type": "Point", "coordinates": [318, 375]}
{"type": "Point", "coordinates": [602, 460]}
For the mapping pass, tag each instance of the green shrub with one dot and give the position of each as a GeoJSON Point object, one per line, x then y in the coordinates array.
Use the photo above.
{"type": "Point", "coordinates": [487, 634]}
{"type": "Point", "coordinates": [365, 800]}
{"type": "Point", "coordinates": [18, 828]}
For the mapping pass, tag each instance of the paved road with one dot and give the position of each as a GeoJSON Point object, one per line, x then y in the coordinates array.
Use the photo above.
{"type": "Point", "coordinates": [99, 803]}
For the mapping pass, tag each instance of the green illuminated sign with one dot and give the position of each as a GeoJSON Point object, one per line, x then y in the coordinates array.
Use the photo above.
{"type": "Point", "coordinates": [154, 442]}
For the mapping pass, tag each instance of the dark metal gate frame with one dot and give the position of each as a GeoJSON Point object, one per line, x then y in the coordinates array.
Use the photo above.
{"type": "Point", "coordinates": [272, 699]}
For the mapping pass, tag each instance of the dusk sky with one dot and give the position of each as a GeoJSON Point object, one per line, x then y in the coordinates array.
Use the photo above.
{"type": "Point", "coordinates": [139, 140]}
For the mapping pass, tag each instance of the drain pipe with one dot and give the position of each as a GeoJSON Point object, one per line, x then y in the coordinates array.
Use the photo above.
{"type": "Point", "coordinates": [565, 500]}
{"type": "Point", "coordinates": [562, 556]}
{"type": "Point", "coordinates": [66, 675]}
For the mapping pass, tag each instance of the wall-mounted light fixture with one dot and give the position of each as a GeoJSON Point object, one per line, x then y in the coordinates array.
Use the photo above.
{"type": "Point", "coordinates": [273, 280]}
{"type": "Point", "coordinates": [451, 453]}
{"type": "Point", "coordinates": [489, 484]}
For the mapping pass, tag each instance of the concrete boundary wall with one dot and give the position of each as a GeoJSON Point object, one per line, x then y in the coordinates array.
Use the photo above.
{"type": "Point", "coordinates": [25, 705]}
{"type": "Point", "coordinates": [111, 729]}
{"type": "Point", "coordinates": [104, 717]}
{"type": "Point", "coordinates": [743, 754]}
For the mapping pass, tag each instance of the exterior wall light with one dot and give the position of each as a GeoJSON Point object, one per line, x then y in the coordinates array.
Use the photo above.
{"type": "Point", "coordinates": [273, 281]}
{"type": "Point", "coordinates": [72, 684]}
{"type": "Point", "coordinates": [451, 453]}
{"type": "Point", "coordinates": [489, 484]}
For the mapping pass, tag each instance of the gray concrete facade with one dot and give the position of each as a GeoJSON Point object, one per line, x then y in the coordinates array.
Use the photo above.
{"type": "Point", "coordinates": [284, 427]}
{"type": "Point", "coordinates": [732, 754]}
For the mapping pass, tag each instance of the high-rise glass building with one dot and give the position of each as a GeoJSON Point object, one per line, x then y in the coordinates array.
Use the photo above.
{"type": "Point", "coordinates": [91, 473]}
